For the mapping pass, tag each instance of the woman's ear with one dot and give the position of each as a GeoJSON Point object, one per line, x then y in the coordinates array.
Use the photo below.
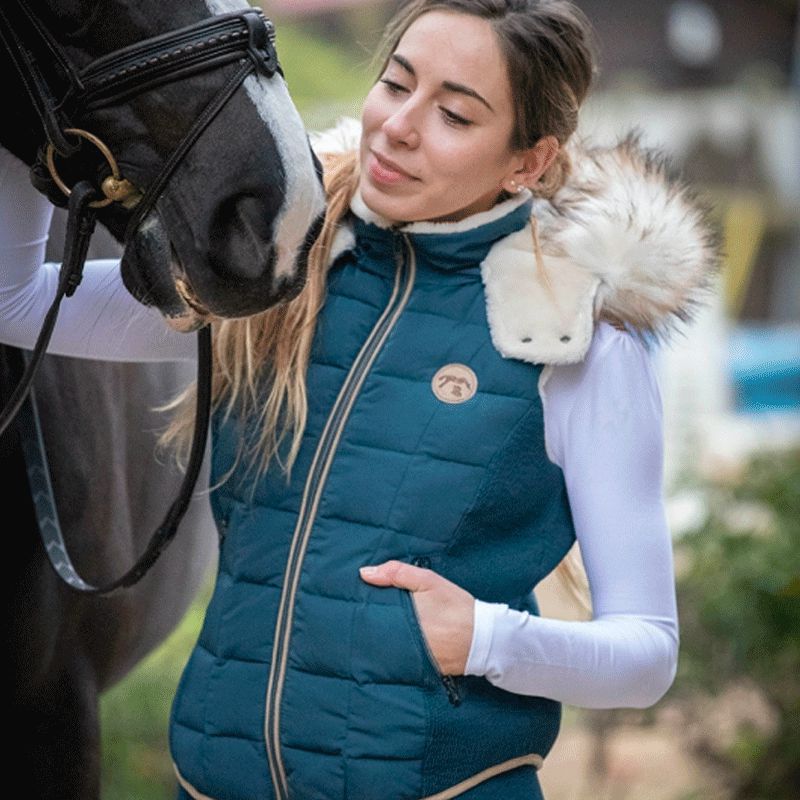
{"type": "Point", "coordinates": [534, 162]}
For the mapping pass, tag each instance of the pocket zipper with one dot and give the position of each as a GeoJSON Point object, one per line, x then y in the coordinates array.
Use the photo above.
{"type": "Point", "coordinates": [449, 681]}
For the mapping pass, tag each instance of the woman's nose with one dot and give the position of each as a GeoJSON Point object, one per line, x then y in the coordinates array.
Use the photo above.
{"type": "Point", "coordinates": [401, 127]}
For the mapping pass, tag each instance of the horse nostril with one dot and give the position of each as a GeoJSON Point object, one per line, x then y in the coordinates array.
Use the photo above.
{"type": "Point", "coordinates": [241, 236]}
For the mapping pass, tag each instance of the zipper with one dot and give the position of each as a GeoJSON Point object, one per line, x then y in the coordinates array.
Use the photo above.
{"type": "Point", "coordinates": [222, 530]}
{"type": "Point", "coordinates": [315, 482]}
{"type": "Point", "coordinates": [449, 681]}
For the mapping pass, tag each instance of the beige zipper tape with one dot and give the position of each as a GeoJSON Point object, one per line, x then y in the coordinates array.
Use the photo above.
{"type": "Point", "coordinates": [188, 786]}
{"type": "Point", "coordinates": [306, 520]}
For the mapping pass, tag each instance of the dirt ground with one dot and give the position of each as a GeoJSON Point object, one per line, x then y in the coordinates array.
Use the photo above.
{"type": "Point", "coordinates": [642, 764]}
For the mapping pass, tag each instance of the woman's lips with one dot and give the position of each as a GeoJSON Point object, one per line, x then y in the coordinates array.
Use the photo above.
{"type": "Point", "coordinates": [382, 171]}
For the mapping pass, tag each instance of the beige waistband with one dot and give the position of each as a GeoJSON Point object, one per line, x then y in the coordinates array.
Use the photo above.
{"type": "Point", "coordinates": [533, 759]}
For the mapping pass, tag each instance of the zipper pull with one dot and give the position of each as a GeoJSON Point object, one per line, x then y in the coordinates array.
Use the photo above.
{"type": "Point", "coordinates": [453, 692]}
{"type": "Point", "coordinates": [222, 529]}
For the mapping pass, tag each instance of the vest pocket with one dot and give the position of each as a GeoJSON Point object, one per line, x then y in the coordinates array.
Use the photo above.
{"type": "Point", "coordinates": [449, 682]}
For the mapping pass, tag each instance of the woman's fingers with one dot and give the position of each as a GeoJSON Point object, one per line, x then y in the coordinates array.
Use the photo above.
{"type": "Point", "coordinates": [398, 573]}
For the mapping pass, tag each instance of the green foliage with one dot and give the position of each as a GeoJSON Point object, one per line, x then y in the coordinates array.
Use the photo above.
{"type": "Point", "coordinates": [325, 79]}
{"type": "Point", "coordinates": [740, 620]}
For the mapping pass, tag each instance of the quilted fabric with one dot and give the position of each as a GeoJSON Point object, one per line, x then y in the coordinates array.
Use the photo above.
{"type": "Point", "coordinates": [331, 694]}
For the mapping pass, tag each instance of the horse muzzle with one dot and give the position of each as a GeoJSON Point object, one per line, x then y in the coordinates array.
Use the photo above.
{"type": "Point", "coordinates": [149, 268]}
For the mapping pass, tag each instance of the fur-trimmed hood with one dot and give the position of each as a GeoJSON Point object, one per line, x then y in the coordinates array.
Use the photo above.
{"type": "Point", "coordinates": [622, 240]}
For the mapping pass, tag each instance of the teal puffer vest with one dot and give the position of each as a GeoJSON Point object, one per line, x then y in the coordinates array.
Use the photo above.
{"type": "Point", "coordinates": [307, 683]}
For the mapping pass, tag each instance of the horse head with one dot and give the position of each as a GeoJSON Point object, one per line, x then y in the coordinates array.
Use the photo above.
{"type": "Point", "coordinates": [228, 234]}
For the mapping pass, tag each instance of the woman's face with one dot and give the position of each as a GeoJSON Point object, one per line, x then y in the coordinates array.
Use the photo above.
{"type": "Point", "coordinates": [437, 124]}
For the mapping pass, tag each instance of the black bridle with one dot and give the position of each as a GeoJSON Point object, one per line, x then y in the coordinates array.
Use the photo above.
{"type": "Point", "coordinates": [246, 38]}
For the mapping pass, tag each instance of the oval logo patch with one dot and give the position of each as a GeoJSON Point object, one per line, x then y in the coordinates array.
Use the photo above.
{"type": "Point", "coordinates": [454, 383]}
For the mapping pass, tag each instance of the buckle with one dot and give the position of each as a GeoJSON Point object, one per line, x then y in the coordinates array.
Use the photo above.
{"type": "Point", "coordinates": [261, 45]}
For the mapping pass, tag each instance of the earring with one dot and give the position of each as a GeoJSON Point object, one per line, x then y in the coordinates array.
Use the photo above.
{"type": "Point", "coordinates": [515, 188]}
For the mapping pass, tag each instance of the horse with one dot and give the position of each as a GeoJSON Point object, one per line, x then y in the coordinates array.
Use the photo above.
{"type": "Point", "coordinates": [224, 237]}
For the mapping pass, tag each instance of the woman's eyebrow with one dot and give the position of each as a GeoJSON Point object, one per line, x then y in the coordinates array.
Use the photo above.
{"type": "Point", "coordinates": [448, 85]}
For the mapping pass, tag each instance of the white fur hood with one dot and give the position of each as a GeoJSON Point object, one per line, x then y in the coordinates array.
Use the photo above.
{"type": "Point", "coordinates": [622, 240]}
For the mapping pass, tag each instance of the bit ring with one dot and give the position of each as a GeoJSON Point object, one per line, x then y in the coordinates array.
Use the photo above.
{"type": "Point", "coordinates": [107, 154]}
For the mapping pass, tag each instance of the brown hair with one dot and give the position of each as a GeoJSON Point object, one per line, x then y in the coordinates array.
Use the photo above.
{"type": "Point", "coordinates": [547, 44]}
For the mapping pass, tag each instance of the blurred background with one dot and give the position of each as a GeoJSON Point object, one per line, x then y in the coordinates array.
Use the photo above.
{"type": "Point", "coordinates": [717, 86]}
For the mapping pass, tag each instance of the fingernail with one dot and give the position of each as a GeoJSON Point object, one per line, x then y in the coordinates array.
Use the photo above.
{"type": "Point", "coordinates": [368, 570]}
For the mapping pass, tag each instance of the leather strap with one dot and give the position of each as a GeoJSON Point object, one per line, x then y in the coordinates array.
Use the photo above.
{"type": "Point", "coordinates": [80, 226]}
{"type": "Point", "coordinates": [44, 501]}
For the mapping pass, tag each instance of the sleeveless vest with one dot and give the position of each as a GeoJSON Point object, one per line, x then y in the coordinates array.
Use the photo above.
{"type": "Point", "coordinates": [423, 443]}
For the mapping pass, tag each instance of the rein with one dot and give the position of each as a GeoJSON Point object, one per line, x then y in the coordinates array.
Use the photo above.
{"type": "Point", "coordinates": [245, 38]}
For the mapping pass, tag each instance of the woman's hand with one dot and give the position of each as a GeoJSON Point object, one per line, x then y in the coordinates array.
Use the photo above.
{"type": "Point", "coordinates": [445, 610]}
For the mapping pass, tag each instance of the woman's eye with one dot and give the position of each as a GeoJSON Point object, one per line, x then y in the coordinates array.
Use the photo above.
{"type": "Point", "coordinates": [454, 119]}
{"type": "Point", "coordinates": [451, 118]}
{"type": "Point", "coordinates": [394, 88]}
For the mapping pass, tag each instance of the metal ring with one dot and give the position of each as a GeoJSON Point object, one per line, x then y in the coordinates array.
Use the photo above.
{"type": "Point", "coordinates": [101, 146]}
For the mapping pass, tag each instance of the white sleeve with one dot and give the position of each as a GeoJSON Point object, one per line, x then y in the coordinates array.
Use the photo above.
{"type": "Point", "coordinates": [603, 423]}
{"type": "Point", "coordinates": [101, 320]}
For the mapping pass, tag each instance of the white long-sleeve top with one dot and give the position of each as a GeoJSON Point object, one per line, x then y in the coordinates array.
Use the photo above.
{"type": "Point", "coordinates": [603, 428]}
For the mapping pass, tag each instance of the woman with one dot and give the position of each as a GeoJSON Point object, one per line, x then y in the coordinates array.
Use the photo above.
{"type": "Point", "coordinates": [403, 451]}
